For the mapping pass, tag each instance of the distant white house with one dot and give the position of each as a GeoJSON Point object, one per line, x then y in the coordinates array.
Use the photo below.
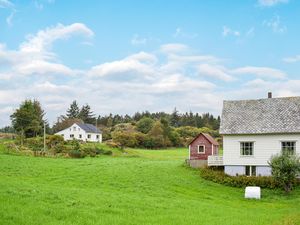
{"type": "Point", "coordinates": [254, 130]}
{"type": "Point", "coordinates": [81, 131]}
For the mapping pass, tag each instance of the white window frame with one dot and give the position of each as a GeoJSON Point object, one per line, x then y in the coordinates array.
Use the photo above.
{"type": "Point", "coordinates": [295, 145]}
{"type": "Point", "coordinates": [251, 169]}
{"type": "Point", "coordinates": [80, 136]}
{"type": "Point", "coordinates": [203, 149]}
{"type": "Point", "coordinates": [241, 142]}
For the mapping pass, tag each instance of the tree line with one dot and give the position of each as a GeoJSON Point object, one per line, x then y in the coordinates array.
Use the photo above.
{"type": "Point", "coordinates": [142, 129]}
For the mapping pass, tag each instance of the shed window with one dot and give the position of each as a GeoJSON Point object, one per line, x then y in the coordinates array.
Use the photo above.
{"type": "Point", "coordinates": [246, 148]}
{"type": "Point", "coordinates": [288, 147]}
{"type": "Point", "coordinates": [250, 170]}
{"type": "Point", "coordinates": [201, 149]}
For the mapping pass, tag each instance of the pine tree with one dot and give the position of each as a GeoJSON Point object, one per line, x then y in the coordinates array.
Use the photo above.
{"type": "Point", "coordinates": [86, 115]}
{"type": "Point", "coordinates": [73, 111]}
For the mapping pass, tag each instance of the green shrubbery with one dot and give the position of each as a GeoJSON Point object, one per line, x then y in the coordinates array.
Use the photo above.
{"type": "Point", "coordinates": [220, 177]}
{"type": "Point", "coordinates": [55, 146]}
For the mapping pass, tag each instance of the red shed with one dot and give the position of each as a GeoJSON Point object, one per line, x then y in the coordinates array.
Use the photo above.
{"type": "Point", "coordinates": [200, 148]}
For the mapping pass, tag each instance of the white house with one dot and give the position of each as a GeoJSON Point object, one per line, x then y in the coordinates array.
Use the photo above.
{"type": "Point", "coordinates": [81, 131]}
{"type": "Point", "coordinates": [254, 130]}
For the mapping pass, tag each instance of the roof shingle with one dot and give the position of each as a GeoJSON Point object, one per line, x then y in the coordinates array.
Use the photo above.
{"type": "Point", "coordinates": [262, 116]}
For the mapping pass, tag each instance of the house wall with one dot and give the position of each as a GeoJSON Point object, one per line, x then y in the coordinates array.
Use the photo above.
{"type": "Point", "coordinates": [201, 140]}
{"type": "Point", "coordinates": [264, 147]}
{"type": "Point", "coordinates": [77, 131]}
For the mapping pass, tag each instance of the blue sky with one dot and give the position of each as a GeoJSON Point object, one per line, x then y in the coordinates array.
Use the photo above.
{"type": "Point", "coordinates": [136, 55]}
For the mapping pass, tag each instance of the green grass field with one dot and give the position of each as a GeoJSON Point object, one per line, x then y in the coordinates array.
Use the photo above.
{"type": "Point", "coordinates": [140, 187]}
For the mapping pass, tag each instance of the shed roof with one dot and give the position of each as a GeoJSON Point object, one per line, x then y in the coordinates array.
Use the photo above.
{"type": "Point", "coordinates": [89, 128]}
{"type": "Point", "coordinates": [262, 116]}
{"type": "Point", "coordinates": [208, 137]}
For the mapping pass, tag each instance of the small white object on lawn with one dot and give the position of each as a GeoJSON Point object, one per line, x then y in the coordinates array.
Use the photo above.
{"type": "Point", "coordinates": [252, 192]}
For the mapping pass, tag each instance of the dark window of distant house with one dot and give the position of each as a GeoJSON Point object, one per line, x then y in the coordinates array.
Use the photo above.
{"type": "Point", "coordinates": [246, 148]}
{"type": "Point", "coordinates": [288, 147]}
{"type": "Point", "coordinates": [89, 136]}
{"type": "Point", "coordinates": [71, 135]}
{"type": "Point", "coordinates": [201, 149]}
{"type": "Point", "coordinates": [80, 136]}
{"type": "Point", "coordinates": [97, 136]}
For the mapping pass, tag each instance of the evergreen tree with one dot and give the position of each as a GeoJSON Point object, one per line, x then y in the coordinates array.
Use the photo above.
{"type": "Point", "coordinates": [86, 115]}
{"type": "Point", "coordinates": [73, 111]}
{"type": "Point", "coordinates": [174, 120]}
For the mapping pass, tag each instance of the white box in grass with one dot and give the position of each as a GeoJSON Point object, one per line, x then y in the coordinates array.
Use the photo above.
{"type": "Point", "coordinates": [252, 192]}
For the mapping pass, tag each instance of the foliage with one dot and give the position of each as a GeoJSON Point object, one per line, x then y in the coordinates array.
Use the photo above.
{"type": "Point", "coordinates": [73, 111]}
{"type": "Point", "coordinates": [86, 115]}
{"type": "Point", "coordinates": [28, 118]}
{"type": "Point", "coordinates": [220, 177]}
{"type": "Point", "coordinates": [144, 125]}
{"type": "Point", "coordinates": [124, 139]}
{"type": "Point", "coordinates": [285, 168]}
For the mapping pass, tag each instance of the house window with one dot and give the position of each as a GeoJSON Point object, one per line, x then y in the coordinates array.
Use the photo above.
{"type": "Point", "coordinates": [74, 128]}
{"type": "Point", "coordinates": [80, 136]}
{"type": "Point", "coordinates": [288, 147]}
{"type": "Point", "coordinates": [201, 149]}
{"type": "Point", "coordinates": [97, 136]}
{"type": "Point", "coordinates": [71, 135]}
{"type": "Point", "coordinates": [246, 148]}
{"type": "Point", "coordinates": [250, 170]}
{"type": "Point", "coordinates": [89, 136]}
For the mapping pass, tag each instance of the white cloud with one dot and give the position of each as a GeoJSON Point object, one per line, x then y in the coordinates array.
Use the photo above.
{"type": "Point", "coordinates": [228, 31]}
{"type": "Point", "coordinates": [179, 33]}
{"type": "Point", "coordinates": [173, 48]}
{"type": "Point", "coordinates": [6, 4]}
{"type": "Point", "coordinates": [260, 72]}
{"type": "Point", "coordinates": [275, 24]}
{"type": "Point", "coordinates": [137, 40]}
{"type": "Point", "coordinates": [214, 71]}
{"type": "Point", "coordinates": [269, 3]}
{"type": "Point", "coordinates": [292, 59]}
{"type": "Point", "coordinates": [43, 39]}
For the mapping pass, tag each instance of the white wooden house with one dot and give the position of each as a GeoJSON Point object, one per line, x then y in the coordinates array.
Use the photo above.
{"type": "Point", "coordinates": [82, 132]}
{"type": "Point", "coordinates": [255, 130]}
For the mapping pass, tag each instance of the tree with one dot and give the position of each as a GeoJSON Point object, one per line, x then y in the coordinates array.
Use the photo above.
{"type": "Point", "coordinates": [73, 111]}
{"type": "Point", "coordinates": [285, 168]}
{"type": "Point", "coordinates": [64, 122]}
{"type": "Point", "coordinates": [28, 120]}
{"type": "Point", "coordinates": [145, 124]}
{"type": "Point", "coordinates": [86, 115]}
{"type": "Point", "coordinates": [174, 120]}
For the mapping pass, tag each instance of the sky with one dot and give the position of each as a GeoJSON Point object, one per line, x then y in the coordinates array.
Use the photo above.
{"type": "Point", "coordinates": [136, 55]}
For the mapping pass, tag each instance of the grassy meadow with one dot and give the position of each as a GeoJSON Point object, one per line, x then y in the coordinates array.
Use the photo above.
{"type": "Point", "coordinates": [135, 187]}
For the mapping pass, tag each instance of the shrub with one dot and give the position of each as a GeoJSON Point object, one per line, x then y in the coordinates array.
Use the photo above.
{"type": "Point", "coordinates": [76, 154]}
{"type": "Point", "coordinates": [220, 177]}
{"type": "Point", "coordinates": [285, 168]}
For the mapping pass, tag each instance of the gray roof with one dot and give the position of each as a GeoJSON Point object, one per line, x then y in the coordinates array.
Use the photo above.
{"type": "Point", "coordinates": [89, 128]}
{"type": "Point", "coordinates": [262, 116]}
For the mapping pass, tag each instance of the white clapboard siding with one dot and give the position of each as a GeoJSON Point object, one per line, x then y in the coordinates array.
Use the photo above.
{"type": "Point", "coordinates": [264, 147]}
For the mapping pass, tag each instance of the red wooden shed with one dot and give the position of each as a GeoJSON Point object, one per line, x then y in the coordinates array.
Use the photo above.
{"type": "Point", "coordinates": [200, 148]}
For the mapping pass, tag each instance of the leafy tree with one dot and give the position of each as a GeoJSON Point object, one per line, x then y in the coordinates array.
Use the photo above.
{"type": "Point", "coordinates": [125, 139]}
{"type": "Point", "coordinates": [73, 111]}
{"type": "Point", "coordinates": [285, 168]}
{"type": "Point", "coordinates": [28, 120]}
{"type": "Point", "coordinates": [144, 125]}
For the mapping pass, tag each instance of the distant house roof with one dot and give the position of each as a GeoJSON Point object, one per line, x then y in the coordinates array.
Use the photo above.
{"type": "Point", "coordinates": [208, 137]}
{"type": "Point", "coordinates": [89, 128]}
{"type": "Point", "coordinates": [262, 116]}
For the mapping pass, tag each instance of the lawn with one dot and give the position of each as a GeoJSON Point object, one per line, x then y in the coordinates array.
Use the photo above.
{"type": "Point", "coordinates": [139, 187]}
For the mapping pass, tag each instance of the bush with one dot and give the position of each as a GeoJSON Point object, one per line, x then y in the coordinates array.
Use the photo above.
{"type": "Point", "coordinates": [76, 154]}
{"type": "Point", "coordinates": [220, 177]}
